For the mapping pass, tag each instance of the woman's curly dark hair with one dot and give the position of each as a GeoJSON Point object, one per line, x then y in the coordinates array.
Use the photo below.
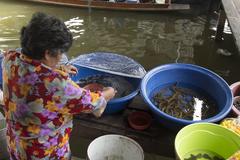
{"type": "Point", "coordinates": [45, 32]}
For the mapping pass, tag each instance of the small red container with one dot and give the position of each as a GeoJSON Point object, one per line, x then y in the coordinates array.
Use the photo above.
{"type": "Point", "coordinates": [235, 108]}
{"type": "Point", "coordinates": [235, 88]}
{"type": "Point", "coordinates": [139, 120]}
{"type": "Point", "coordinates": [94, 87]}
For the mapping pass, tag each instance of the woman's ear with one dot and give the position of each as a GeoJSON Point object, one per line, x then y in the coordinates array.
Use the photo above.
{"type": "Point", "coordinates": [47, 55]}
{"type": "Point", "coordinates": [47, 59]}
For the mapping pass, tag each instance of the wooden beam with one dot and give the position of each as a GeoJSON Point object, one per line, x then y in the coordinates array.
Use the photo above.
{"type": "Point", "coordinates": [232, 10]}
{"type": "Point", "coordinates": [220, 25]}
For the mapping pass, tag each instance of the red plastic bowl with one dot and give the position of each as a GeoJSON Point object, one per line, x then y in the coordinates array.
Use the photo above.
{"type": "Point", "coordinates": [139, 120]}
{"type": "Point", "coordinates": [235, 88]}
{"type": "Point", "coordinates": [235, 109]}
{"type": "Point", "coordinates": [94, 87]}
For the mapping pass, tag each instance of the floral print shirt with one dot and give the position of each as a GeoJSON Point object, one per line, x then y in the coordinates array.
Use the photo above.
{"type": "Point", "coordinates": [39, 107]}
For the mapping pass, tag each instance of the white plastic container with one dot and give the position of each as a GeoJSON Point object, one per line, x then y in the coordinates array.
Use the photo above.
{"type": "Point", "coordinates": [3, 144]}
{"type": "Point", "coordinates": [160, 1]}
{"type": "Point", "coordinates": [114, 147]}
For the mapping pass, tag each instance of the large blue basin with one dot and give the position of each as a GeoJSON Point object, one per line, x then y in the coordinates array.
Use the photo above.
{"type": "Point", "coordinates": [114, 105]}
{"type": "Point", "coordinates": [199, 78]}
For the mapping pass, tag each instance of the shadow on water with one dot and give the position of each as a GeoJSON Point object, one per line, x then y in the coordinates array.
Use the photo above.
{"type": "Point", "coordinates": [150, 38]}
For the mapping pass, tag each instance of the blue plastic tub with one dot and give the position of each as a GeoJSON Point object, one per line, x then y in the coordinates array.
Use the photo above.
{"type": "Point", "coordinates": [115, 105]}
{"type": "Point", "coordinates": [195, 76]}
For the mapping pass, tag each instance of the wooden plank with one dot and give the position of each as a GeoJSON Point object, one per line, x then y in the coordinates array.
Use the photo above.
{"type": "Point", "coordinates": [162, 143]}
{"type": "Point", "coordinates": [79, 145]}
{"type": "Point", "coordinates": [118, 124]}
{"type": "Point", "coordinates": [155, 140]}
{"type": "Point", "coordinates": [76, 158]}
{"type": "Point", "coordinates": [232, 9]}
{"type": "Point", "coordinates": [220, 26]}
{"type": "Point", "coordinates": [237, 5]}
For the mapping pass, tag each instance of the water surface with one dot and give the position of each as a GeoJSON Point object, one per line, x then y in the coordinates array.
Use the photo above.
{"type": "Point", "coordinates": [151, 39]}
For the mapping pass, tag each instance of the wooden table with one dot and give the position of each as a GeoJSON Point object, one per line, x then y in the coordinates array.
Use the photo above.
{"type": "Point", "coordinates": [231, 12]}
{"type": "Point", "coordinates": [157, 141]}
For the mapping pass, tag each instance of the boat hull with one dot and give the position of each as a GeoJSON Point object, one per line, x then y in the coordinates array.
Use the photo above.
{"type": "Point", "coordinates": [101, 4]}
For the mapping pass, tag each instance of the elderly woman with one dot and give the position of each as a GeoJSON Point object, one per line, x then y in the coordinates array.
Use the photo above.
{"type": "Point", "coordinates": [40, 99]}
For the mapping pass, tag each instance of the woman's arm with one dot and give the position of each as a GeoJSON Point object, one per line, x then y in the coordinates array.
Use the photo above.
{"type": "Point", "coordinates": [71, 99]}
{"type": "Point", "coordinates": [70, 69]}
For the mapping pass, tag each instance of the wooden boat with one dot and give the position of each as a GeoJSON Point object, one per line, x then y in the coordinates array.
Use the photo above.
{"type": "Point", "coordinates": [127, 5]}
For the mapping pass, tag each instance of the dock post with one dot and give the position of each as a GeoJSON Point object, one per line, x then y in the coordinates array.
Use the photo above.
{"type": "Point", "coordinates": [220, 25]}
{"type": "Point", "coordinates": [214, 5]}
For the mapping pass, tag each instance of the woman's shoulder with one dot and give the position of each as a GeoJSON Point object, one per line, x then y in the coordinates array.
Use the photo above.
{"type": "Point", "coordinates": [10, 54]}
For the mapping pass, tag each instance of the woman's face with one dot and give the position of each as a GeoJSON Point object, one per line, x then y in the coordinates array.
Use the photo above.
{"type": "Point", "coordinates": [52, 61]}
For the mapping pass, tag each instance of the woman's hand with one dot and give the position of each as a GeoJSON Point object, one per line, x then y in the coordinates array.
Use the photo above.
{"type": "Point", "coordinates": [70, 69]}
{"type": "Point", "coordinates": [108, 93]}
